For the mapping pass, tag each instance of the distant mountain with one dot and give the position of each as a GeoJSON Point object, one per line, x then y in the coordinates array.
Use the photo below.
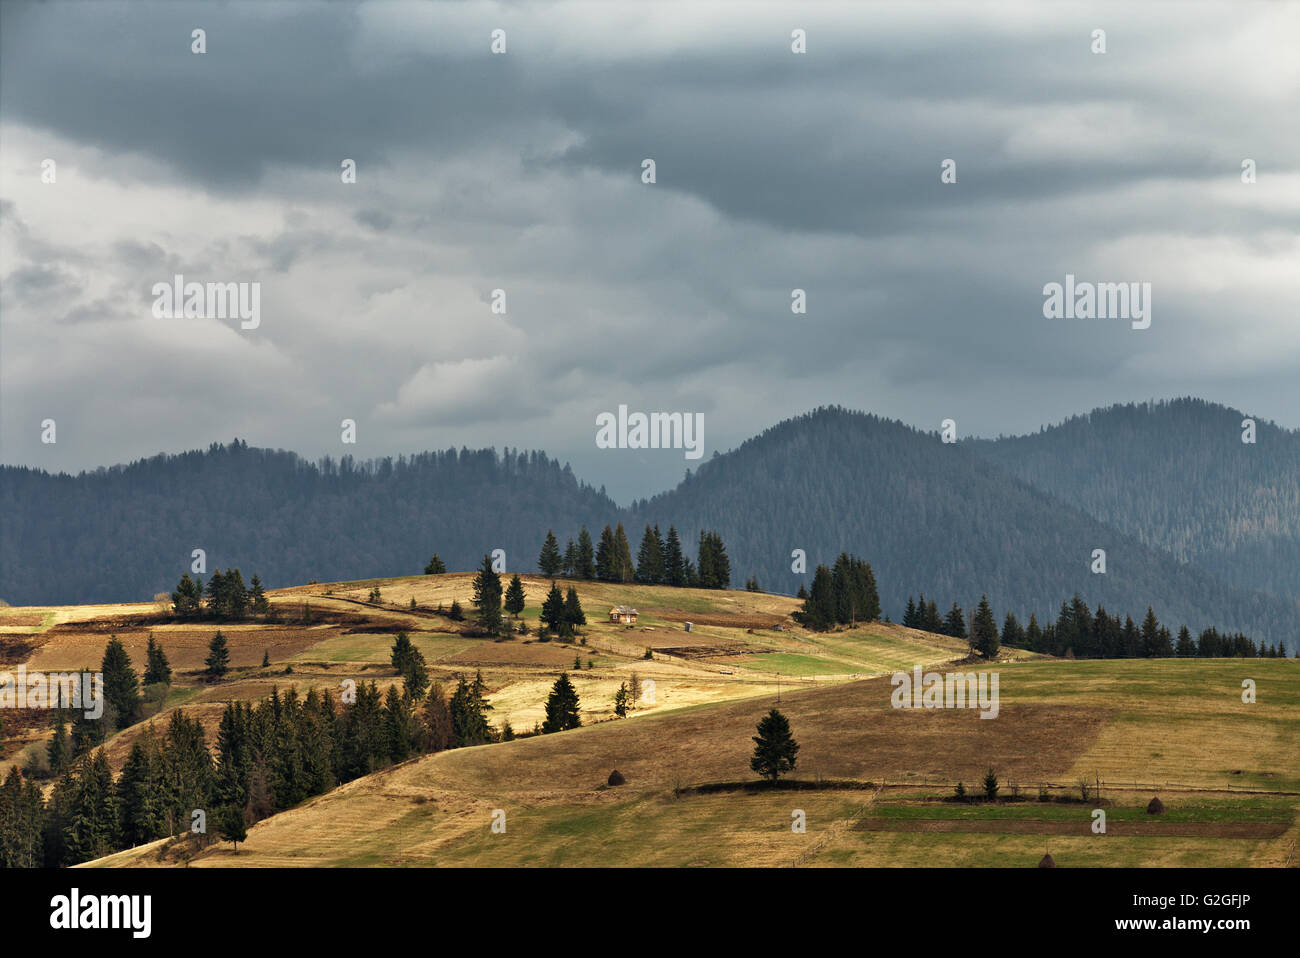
{"type": "Point", "coordinates": [1177, 476]}
{"type": "Point", "coordinates": [940, 519]}
{"type": "Point", "coordinates": [951, 520]}
{"type": "Point", "coordinates": [126, 533]}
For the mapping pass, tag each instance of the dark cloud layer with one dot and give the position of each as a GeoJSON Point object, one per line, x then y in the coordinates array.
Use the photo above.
{"type": "Point", "coordinates": [522, 172]}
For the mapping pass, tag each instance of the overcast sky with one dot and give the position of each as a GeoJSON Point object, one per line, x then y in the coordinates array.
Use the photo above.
{"type": "Point", "coordinates": [522, 171]}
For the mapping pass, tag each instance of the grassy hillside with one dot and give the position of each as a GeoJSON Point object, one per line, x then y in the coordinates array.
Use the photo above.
{"type": "Point", "coordinates": [1227, 771]}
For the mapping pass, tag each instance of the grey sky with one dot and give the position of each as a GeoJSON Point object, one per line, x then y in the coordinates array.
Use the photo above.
{"type": "Point", "coordinates": [521, 171]}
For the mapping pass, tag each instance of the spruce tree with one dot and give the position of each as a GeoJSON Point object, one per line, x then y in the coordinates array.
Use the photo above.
{"type": "Point", "coordinates": [438, 731]}
{"type": "Point", "coordinates": [570, 568]}
{"type": "Point", "coordinates": [121, 686]}
{"type": "Point", "coordinates": [487, 598]}
{"type": "Point", "coordinates": [674, 560]}
{"type": "Point", "coordinates": [553, 609]}
{"type": "Point", "coordinates": [218, 661]}
{"type": "Point", "coordinates": [818, 611]}
{"type": "Point", "coordinates": [562, 706]}
{"type": "Point", "coordinates": [606, 561]}
{"type": "Point", "coordinates": [573, 614]}
{"type": "Point", "coordinates": [231, 826]}
{"type": "Point", "coordinates": [157, 668]}
{"type": "Point", "coordinates": [550, 561]}
{"type": "Point", "coordinates": [435, 566]}
{"type": "Point", "coordinates": [410, 665]}
{"type": "Point", "coordinates": [469, 710]}
{"type": "Point", "coordinates": [586, 565]}
{"type": "Point", "coordinates": [650, 559]}
{"type": "Point", "coordinates": [624, 569]}
{"type": "Point", "coordinates": [257, 597]}
{"type": "Point", "coordinates": [188, 597]}
{"type": "Point", "coordinates": [515, 596]}
{"type": "Point", "coordinates": [775, 749]}
{"type": "Point", "coordinates": [984, 630]}
{"type": "Point", "coordinates": [58, 749]}
{"type": "Point", "coordinates": [954, 623]}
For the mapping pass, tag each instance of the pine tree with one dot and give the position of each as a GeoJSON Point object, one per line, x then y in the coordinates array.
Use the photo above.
{"type": "Point", "coordinates": [1185, 647]}
{"type": "Point", "coordinates": [552, 616]}
{"type": "Point", "coordinates": [775, 749]}
{"type": "Point", "coordinates": [410, 665]}
{"type": "Point", "coordinates": [605, 561]}
{"type": "Point", "coordinates": [622, 699]}
{"type": "Point", "coordinates": [573, 614]}
{"type": "Point", "coordinates": [650, 558]}
{"type": "Point", "coordinates": [909, 615]}
{"type": "Point", "coordinates": [674, 561]}
{"type": "Point", "coordinates": [140, 792]}
{"type": "Point", "coordinates": [399, 724]}
{"type": "Point", "coordinates": [570, 568]}
{"type": "Point", "coordinates": [232, 826]}
{"type": "Point", "coordinates": [1012, 633]}
{"type": "Point", "coordinates": [188, 597]}
{"type": "Point", "coordinates": [954, 624]}
{"type": "Point", "coordinates": [624, 569]}
{"type": "Point", "coordinates": [515, 596]}
{"type": "Point", "coordinates": [586, 565]}
{"type": "Point", "coordinates": [984, 630]}
{"type": "Point", "coordinates": [218, 660]}
{"type": "Point", "coordinates": [1150, 634]}
{"type": "Point", "coordinates": [157, 669]}
{"type": "Point", "coordinates": [236, 595]}
{"type": "Point", "coordinates": [562, 706]}
{"type": "Point", "coordinates": [438, 731]}
{"type": "Point", "coordinates": [469, 710]}
{"type": "Point", "coordinates": [550, 561]}
{"type": "Point", "coordinates": [818, 611]}
{"type": "Point", "coordinates": [257, 597]}
{"type": "Point", "coordinates": [57, 750]}
{"type": "Point", "coordinates": [435, 566]}
{"type": "Point", "coordinates": [487, 598]}
{"type": "Point", "coordinates": [121, 687]}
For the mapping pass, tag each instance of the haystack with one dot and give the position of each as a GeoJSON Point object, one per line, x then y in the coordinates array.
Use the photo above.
{"type": "Point", "coordinates": [1047, 862]}
{"type": "Point", "coordinates": [1156, 807]}
{"type": "Point", "coordinates": [616, 778]}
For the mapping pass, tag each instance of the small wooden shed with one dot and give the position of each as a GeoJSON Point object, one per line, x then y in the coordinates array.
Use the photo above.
{"type": "Point", "coordinates": [623, 615]}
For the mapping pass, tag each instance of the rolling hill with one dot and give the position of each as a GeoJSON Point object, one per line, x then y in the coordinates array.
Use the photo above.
{"type": "Point", "coordinates": [1206, 536]}
{"type": "Point", "coordinates": [1177, 476]}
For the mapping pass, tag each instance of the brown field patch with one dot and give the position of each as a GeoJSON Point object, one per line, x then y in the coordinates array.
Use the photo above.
{"type": "Point", "coordinates": [516, 652]}
{"type": "Point", "coordinates": [710, 651]}
{"type": "Point", "coordinates": [186, 646]}
{"type": "Point", "coordinates": [738, 620]}
{"type": "Point", "coordinates": [20, 619]}
{"type": "Point", "coordinates": [1251, 830]}
{"type": "Point", "coordinates": [15, 649]}
{"type": "Point", "coordinates": [844, 731]}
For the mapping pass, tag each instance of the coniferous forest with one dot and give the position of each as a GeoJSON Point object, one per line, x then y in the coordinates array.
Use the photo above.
{"type": "Point", "coordinates": [1018, 519]}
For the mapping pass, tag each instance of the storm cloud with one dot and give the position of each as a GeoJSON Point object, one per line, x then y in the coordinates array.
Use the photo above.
{"type": "Point", "coordinates": [522, 172]}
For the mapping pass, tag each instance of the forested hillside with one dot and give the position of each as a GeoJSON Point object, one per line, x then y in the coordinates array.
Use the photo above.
{"type": "Point", "coordinates": [936, 518]}
{"type": "Point", "coordinates": [943, 519]}
{"type": "Point", "coordinates": [125, 533]}
{"type": "Point", "coordinates": [1178, 477]}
